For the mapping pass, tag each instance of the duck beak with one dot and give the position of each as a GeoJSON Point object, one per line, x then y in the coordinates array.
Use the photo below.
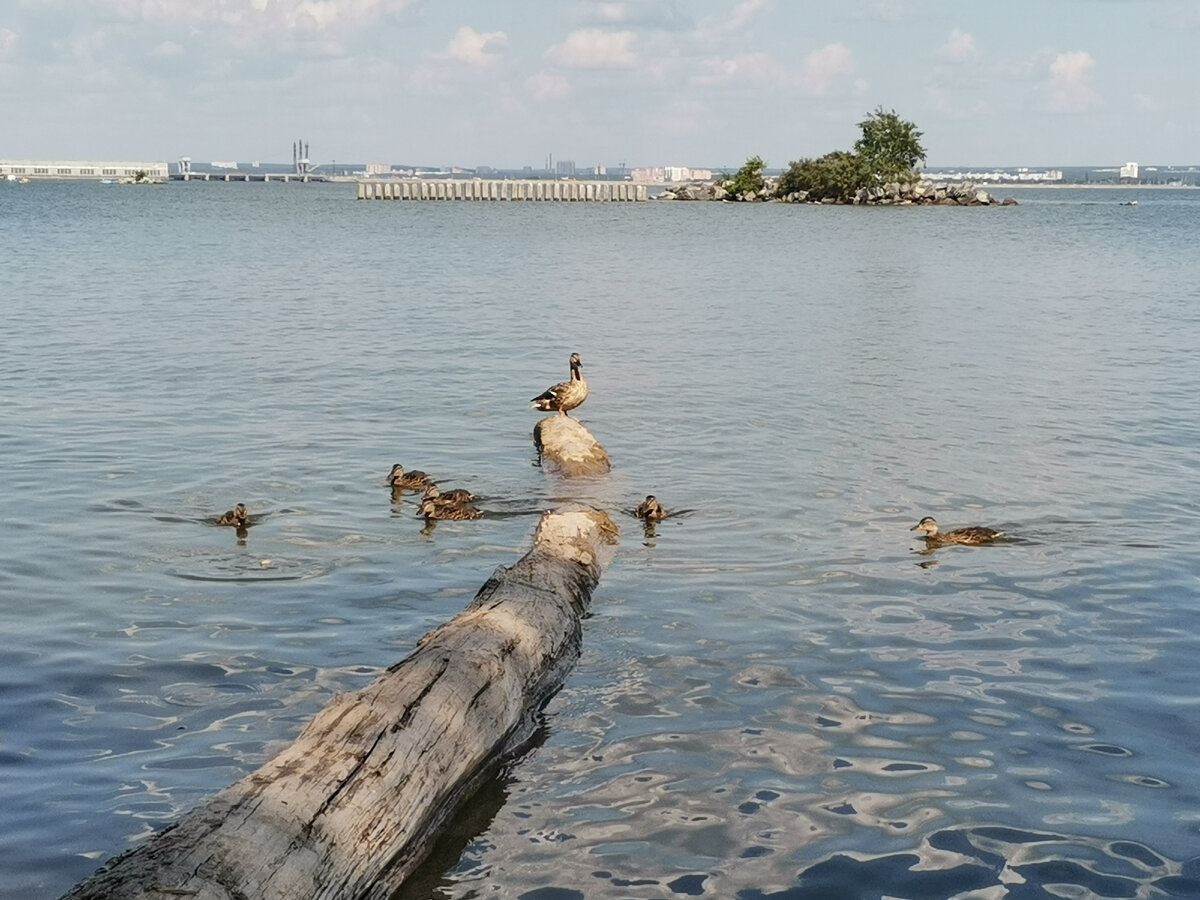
{"type": "Point", "coordinates": [916, 527]}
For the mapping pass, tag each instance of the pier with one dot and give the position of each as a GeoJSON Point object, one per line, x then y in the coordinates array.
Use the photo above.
{"type": "Point", "coordinates": [246, 176]}
{"type": "Point", "coordinates": [506, 189]}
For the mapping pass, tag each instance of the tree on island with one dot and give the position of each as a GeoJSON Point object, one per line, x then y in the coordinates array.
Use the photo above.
{"type": "Point", "coordinates": [889, 150]}
{"type": "Point", "coordinates": [749, 178]}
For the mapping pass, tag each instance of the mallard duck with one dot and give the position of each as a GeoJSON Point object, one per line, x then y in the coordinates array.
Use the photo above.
{"type": "Point", "coordinates": [431, 509]}
{"type": "Point", "coordinates": [973, 534]}
{"type": "Point", "coordinates": [454, 496]}
{"type": "Point", "coordinates": [401, 479]}
{"type": "Point", "coordinates": [236, 517]}
{"type": "Point", "coordinates": [650, 509]}
{"type": "Point", "coordinates": [566, 394]}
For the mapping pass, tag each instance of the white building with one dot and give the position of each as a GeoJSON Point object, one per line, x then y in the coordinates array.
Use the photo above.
{"type": "Point", "coordinates": [73, 169]}
{"type": "Point", "coordinates": [1130, 171]}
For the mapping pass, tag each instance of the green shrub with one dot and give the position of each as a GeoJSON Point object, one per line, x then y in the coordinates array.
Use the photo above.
{"type": "Point", "coordinates": [748, 178]}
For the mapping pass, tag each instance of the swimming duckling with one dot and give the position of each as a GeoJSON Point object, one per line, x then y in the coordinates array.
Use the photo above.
{"type": "Point", "coordinates": [566, 394]}
{"type": "Point", "coordinates": [236, 517]}
{"type": "Point", "coordinates": [973, 534]}
{"type": "Point", "coordinates": [400, 479]}
{"type": "Point", "coordinates": [454, 496]}
{"type": "Point", "coordinates": [432, 510]}
{"type": "Point", "coordinates": [650, 509]}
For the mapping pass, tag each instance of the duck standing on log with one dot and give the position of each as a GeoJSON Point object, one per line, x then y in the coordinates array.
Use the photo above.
{"type": "Point", "coordinates": [565, 395]}
{"type": "Point", "coordinates": [972, 534]}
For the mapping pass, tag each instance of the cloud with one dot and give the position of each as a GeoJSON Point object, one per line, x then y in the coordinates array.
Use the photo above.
{"type": "Point", "coordinates": [8, 41]}
{"type": "Point", "coordinates": [1069, 90]}
{"type": "Point", "coordinates": [746, 12]}
{"type": "Point", "coordinates": [823, 69]}
{"type": "Point", "coordinates": [959, 47]}
{"type": "Point", "coordinates": [547, 86]}
{"type": "Point", "coordinates": [744, 67]}
{"type": "Point", "coordinates": [263, 15]}
{"type": "Point", "coordinates": [167, 50]}
{"type": "Point", "coordinates": [592, 48]}
{"type": "Point", "coordinates": [475, 49]}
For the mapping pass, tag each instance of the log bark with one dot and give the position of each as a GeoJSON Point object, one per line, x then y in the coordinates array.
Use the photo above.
{"type": "Point", "coordinates": [566, 447]}
{"type": "Point", "coordinates": [355, 803]}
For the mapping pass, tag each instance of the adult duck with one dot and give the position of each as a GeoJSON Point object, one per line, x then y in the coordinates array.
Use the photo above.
{"type": "Point", "coordinates": [236, 517]}
{"type": "Point", "coordinates": [565, 395]}
{"type": "Point", "coordinates": [454, 496]}
{"type": "Point", "coordinates": [972, 534]}
{"type": "Point", "coordinates": [650, 509]}
{"type": "Point", "coordinates": [433, 510]}
{"type": "Point", "coordinates": [401, 479]}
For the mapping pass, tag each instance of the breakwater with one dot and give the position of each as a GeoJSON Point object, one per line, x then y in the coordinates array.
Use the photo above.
{"type": "Point", "coordinates": [502, 189]}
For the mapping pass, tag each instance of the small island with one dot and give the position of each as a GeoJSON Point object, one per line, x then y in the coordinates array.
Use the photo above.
{"type": "Point", "coordinates": [880, 171]}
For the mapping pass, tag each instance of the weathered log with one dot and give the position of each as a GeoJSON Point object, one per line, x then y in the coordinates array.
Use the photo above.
{"type": "Point", "coordinates": [355, 803]}
{"type": "Point", "coordinates": [566, 447]}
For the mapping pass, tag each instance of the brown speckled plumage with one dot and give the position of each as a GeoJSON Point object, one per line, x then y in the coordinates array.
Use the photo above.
{"type": "Point", "coordinates": [972, 534]}
{"type": "Point", "coordinates": [566, 394]}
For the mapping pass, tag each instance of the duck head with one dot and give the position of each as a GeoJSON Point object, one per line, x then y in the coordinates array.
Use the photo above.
{"type": "Point", "coordinates": [927, 525]}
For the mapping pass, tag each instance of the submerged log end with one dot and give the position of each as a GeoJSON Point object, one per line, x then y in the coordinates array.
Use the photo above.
{"type": "Point", "coordinates": [568, 448]}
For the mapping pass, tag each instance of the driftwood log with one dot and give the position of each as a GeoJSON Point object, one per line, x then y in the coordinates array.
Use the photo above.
{"type": "Point", "coordinates": [357, 801]}
{"type": "Point", "coordinates": [566, 447]}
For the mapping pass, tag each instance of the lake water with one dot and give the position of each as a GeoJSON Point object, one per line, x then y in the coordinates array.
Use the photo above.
{"type": "Point", "coordinates": [780, 694]}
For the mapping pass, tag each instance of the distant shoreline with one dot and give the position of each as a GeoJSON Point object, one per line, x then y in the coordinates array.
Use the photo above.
{"type": "Point", "coordinates": [1091, 185]}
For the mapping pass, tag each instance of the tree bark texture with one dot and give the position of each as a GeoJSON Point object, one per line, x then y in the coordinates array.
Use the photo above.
{"type": "Point", "coordinates": [569, 449]}
{"type": "Point", "coordinates": [354, 804]}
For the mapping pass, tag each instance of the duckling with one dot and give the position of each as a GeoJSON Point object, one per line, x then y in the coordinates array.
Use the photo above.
{"type": "Point", "coordinates": [433, 510]}
{"type": "Point", "coordinates": [400, 479]}
{"type": "Point", "coordinates": [453, 497]}
{"type": "Point", "coordinates": [236, 517]}
{"type": "Point", "coordinates": [650, 509]}
{"type": "Point", "coordinates": [973, 534]}
{"type": "Point", "coordinates": [566, 394]}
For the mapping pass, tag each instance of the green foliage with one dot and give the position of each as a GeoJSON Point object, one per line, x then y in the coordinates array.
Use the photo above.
{"type": "Point", "coordinates": [889, 150]}
{"type": "Point", "coordinates": [835, 176]}
{"type": "Point", "coordinates": [890, 146]}
{"type": "Point", "coordinates": [748, 178]}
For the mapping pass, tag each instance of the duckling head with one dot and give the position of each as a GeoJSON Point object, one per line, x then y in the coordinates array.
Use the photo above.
{"type": "Point", "coordinates": [927, 525]}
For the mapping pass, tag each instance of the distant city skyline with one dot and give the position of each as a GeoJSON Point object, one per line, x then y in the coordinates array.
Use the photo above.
{"type": "Point", "coordinates": [631, 83]}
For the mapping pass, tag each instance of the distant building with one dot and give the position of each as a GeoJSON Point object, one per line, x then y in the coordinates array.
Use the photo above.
{"type": "Point", "coordinates": [1129, 171]}
{"type": "Point", "coordinates": [72, 169]}
{"type": "Point", "coordinates": [565, 168]}
{"type": "Point", "coordinates": [664, 174]}
{"type": "Point", "coordinates": [379, 169]}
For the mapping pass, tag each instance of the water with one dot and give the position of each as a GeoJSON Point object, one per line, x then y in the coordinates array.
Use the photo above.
{"type": "Point", "coordinates": [780, 695]}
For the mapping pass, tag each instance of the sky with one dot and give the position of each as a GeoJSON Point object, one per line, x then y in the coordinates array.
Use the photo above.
{"type": "Point", "coordinates": [513, 83]}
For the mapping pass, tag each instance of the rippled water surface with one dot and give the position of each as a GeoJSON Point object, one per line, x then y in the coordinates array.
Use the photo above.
{"type": "Point", "coordinates": [782, 693]}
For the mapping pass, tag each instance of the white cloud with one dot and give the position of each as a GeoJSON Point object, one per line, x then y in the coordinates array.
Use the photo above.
{"type": "Point", "coordinates": [8, 40]}
{"type": "Point", "coordinates": [592, 48]}
{"type": "Point", "coordinates": [1069, 88]}
{"type": "Point", "coordinates": [167, 50]}
{"type": "Point", "coordinates": [474, 48]}
{"type": "Point", "coordinates": [547, 86]}
{"type": "Point", "coordinates": [959, 47]}
{"type": "Point", "coordinates": [746, 12]}
{"type": "Point", "coordinates": [744, 67]}
{"type": "Point", "coordinates": [611, 12]}
{"type": "Point", "coordinates": [824, 69]}
{"type": "Point", "coordinates": [264, 15]}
